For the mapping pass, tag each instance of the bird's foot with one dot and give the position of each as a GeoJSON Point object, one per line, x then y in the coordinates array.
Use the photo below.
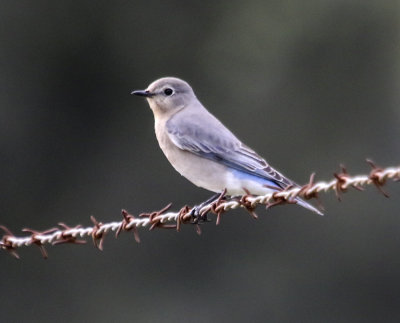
{"type": "Point", "coordinates": [201, 217]}
{"type": "Point", "coordinates": [197, 216]}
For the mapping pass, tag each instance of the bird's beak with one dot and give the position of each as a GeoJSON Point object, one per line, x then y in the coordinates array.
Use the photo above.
{"type": "Point", "coordinates": [145, 93]}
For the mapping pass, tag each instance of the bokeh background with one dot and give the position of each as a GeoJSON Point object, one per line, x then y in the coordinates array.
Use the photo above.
{"type": "Point", "coordinates": [307, 84]}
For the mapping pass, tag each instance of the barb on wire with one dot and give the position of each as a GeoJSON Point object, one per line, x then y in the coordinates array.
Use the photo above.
{"type": "Point", "coordinates": [174, 220]}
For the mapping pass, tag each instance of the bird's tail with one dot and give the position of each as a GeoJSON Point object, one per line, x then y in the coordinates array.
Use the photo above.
{"type": "Point", "coordinates": [308, 206]}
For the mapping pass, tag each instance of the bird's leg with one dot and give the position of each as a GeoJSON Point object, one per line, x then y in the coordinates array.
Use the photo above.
{"type": "Point", "coordinates": [195, 212]}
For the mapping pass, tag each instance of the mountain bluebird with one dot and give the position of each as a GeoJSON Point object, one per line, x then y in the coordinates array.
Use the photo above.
{"type": "Point", "coordinates": [203, 150]}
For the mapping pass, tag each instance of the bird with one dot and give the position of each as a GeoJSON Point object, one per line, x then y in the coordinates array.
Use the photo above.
{"type": "Point", "coordinates": [205, 151]}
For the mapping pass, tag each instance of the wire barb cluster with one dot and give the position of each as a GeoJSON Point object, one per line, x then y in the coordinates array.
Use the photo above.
{"type": "Point", "coordinates": [166, 219]}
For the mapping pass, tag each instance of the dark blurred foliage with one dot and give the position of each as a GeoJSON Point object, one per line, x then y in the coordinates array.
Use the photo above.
{"type": "Point", "coordinates": [309, 85]}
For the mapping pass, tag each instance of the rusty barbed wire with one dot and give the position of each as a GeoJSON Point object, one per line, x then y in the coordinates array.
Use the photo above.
{"type": "Point", "coordinates": [174, 220]}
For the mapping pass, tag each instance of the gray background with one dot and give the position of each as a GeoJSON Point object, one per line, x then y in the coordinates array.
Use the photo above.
{"type": "Point", "coordinates": [309, 85]}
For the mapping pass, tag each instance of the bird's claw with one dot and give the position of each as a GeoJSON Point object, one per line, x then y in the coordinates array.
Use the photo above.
{"type": "Point", "coordinates": [197, 217]}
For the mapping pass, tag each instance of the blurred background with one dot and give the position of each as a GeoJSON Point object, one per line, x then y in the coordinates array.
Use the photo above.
{"type": "Point", "coordinates": [308, 85]}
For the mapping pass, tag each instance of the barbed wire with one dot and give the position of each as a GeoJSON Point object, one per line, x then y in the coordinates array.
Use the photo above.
{"type": "Point", "coordinates": [173, 220]}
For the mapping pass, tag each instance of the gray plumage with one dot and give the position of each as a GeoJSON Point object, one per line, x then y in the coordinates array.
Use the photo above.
{"type": "Point", "coordinates": [202, 149]}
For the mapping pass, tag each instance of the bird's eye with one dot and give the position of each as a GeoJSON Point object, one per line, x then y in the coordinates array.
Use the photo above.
{"type": "Point", "coordinates": [168, 91]}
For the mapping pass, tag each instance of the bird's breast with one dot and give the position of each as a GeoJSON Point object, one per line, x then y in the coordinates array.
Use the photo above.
{"type": "Point", "coordinates": [201, 172]}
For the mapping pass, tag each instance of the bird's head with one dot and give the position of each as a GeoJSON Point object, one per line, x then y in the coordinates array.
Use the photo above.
{"type": "Point", "coordinates": [167, 95]}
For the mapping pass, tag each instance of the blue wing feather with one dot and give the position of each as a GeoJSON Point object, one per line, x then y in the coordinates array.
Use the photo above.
{"type": "Point", "coordinates": [217, 143]}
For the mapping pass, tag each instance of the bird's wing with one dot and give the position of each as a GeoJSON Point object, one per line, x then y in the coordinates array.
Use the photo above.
{"type": "Point", "coordinates": [212, 140]}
